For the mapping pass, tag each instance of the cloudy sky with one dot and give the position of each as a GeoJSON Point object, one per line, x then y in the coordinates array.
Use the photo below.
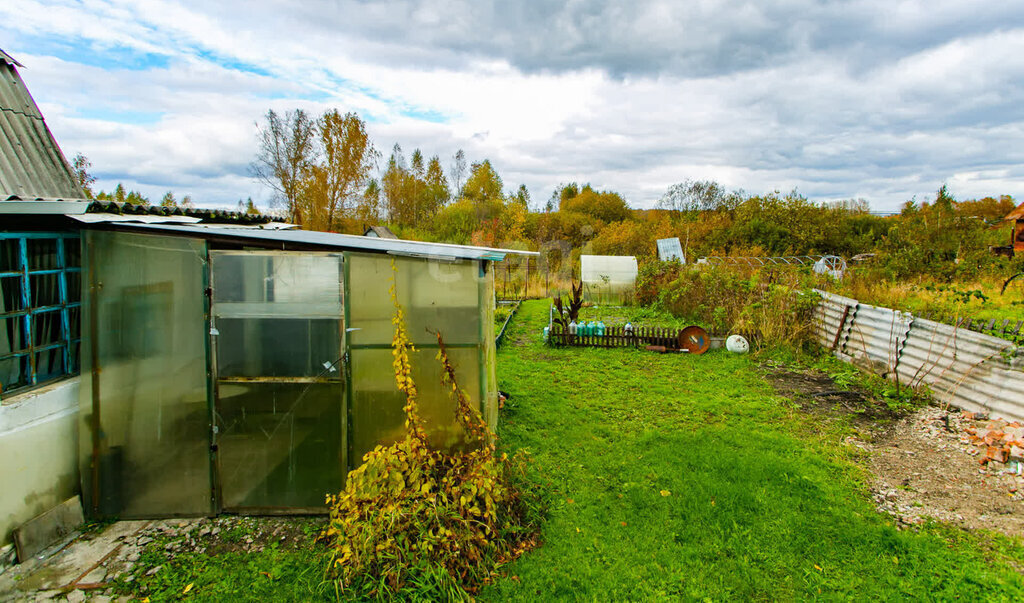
{"type": "Point", "coordinates": [877, 99]}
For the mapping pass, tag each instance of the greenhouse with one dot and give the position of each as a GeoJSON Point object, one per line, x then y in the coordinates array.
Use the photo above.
{"type": "Point", "coordinates": [608, 279]}
{"type": "Point", "coordinates": [248, 370]}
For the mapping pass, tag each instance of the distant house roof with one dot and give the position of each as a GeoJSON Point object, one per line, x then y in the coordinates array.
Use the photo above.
{"type": "Point", "coordinates": [381, 232]}
{"type": "Point", "coordinates": [1017, 214]}
{"type": "Point", "coordinates": [31, 162]}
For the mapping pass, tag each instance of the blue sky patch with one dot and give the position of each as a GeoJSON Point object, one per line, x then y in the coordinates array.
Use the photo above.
{"type": "Point", "coordinates": [121, 116]}
{"type": "Point", "coordinates": [115, 57]}
{"type": "Point", "coordinates": [229, 63]}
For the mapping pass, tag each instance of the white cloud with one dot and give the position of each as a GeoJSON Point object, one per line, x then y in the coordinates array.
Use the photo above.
{"type": "Point", "coordinates": [865, 99]}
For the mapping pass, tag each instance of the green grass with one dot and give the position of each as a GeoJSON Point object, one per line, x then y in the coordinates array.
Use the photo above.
{"type": "Point", "coordinates": [275, 573]}
{"type": "Point", "coordinates": [763, 502]}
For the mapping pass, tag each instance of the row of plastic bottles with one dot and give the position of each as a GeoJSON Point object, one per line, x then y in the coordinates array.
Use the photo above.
{"type": "Point", "coordinates": [589, 329]}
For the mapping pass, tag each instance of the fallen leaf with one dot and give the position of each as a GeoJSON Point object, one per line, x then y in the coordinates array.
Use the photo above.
{"type": "Point", "coordinates": [666, 493]}
{"type": "Point", "coordinates": [569, 500]}
{"type": "Point", "coordinates": [577, 529]}
{"type": "Point", "coordinates": [188, 588]}
{"type": "Point", "coordinates": [817, 567]}
{"type": "Point", "coordinates": [623, 524]}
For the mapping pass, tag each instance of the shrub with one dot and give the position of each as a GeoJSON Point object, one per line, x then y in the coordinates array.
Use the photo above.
{"type": "Point", "coordinates": [417, 522]}
{"type": "Point", "coordinates": [774, 303]}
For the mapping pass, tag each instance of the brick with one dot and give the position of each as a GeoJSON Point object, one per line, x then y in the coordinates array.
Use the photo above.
{"type": "Point", "coordinates": [996, 453]}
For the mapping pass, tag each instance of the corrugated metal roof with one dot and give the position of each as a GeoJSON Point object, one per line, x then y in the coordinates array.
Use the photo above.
{"type": "Point", "coordinates": [31, 162]}
{"type": "Point", "coordinates": [8, 58]}
{"type": "Point", "coordinates": [38, 205]}
{"type": "Point", "coordinates": [330, 240]}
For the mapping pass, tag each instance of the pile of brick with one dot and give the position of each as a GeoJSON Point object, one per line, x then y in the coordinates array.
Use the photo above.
{"type": "Point", "coordinates": [994, 440]}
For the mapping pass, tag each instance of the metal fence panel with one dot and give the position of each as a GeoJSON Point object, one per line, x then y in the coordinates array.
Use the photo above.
{"type": "Point", "coordinates": [970, 370]}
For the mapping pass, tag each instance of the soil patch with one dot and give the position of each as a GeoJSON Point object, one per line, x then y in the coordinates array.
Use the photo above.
{"type": "Point", "coordinates": [817, 393]}
{"type": "Point", "coordinates": [924, 463]}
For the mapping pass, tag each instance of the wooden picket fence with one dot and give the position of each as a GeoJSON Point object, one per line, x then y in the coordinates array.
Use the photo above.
{"type": "Point", "coordinates": [618, 337]}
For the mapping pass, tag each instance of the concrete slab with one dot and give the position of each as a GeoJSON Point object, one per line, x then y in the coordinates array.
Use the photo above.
{"type": "Point", "coordinates": [72, 565]}
{"type": "Point", "coordinates": [44, 530]}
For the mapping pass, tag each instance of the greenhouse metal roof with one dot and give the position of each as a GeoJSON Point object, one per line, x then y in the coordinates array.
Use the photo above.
{"type": "Point", "coordinates": [328, 240]}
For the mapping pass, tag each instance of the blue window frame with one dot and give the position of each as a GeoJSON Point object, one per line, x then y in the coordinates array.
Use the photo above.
{"type": "Point", "coordinates": [40, 308]}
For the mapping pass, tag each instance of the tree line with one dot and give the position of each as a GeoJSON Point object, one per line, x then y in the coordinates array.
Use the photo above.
{"type": "Point", "coordinates": [326, 174]}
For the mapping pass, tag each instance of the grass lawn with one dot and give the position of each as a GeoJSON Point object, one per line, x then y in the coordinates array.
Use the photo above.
{"type": "Point", "coordinates": [669, 477]}
{"type": "Point", "coordinates": [674, 476]}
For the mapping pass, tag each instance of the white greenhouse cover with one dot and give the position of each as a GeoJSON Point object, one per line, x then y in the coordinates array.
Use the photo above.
{"type": "Point", "coordinates": [608, 278]}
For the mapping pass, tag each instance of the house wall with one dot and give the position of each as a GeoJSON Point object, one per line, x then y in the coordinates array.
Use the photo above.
{"type": "Point", "coordinates": [38, 453]}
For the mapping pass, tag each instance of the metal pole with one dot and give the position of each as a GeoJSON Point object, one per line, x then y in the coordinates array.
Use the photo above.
{"type": "Point", "coordinates": [526, 287]}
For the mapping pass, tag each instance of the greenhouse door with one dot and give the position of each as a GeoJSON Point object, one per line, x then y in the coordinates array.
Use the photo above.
{"type": "Point", "coordinates": [279, 417]}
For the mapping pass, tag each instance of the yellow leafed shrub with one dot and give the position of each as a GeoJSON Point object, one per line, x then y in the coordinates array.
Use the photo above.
{"type": "Point", "coordinates": [419, 522]}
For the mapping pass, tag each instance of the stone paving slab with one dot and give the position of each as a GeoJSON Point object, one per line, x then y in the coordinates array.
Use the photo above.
{"type": "Point", "coordinates": [69, 569]}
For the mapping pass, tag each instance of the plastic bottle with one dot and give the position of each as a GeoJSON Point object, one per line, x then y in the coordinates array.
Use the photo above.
{"type": "Point", "coordinates": [600, 328]}
{"type": "Point", "coordinates": [572, 328]}
{"type": "Point", "coordinates": [547, 333]}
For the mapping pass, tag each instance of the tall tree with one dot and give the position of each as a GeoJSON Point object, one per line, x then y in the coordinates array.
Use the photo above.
{"type": "Point", "coordinates": [699, 195]}
{"type": "Point", "coordinates": [483, 184]}
{"type": "Point", "coordinates": [521, 196]}
{"type": "Point", "coordinates": [437, 193]}
{"type": "Point", "coordinates": [458, 172]}
{"type": "Point", "coordinates": [80, 165]}
{"type": "Point", "coordinates": [286, 149]}
{"type": "Point", "coordinates": [392, 184]}
{"type": "Point", "coordinates": [348, 158]}
{"type": "Point", "coordinates": [369, 208]}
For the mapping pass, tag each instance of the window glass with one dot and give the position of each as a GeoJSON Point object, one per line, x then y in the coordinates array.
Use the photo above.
{"type": "Point", "coordinates": [45, 289]}
{"type": "Point", "coordinates": [39, 339]}
{"type": "Point", "coordinates": [42, 254]}
{"type": "Point", "coordinates": [11, 294]}
{"type": "Point", "coordinates": [13, 373]}
{"type": "Point", "coordinates": [10, 255]}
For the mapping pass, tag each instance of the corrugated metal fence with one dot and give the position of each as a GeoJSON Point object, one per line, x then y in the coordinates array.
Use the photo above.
{"type": "Point", "coordinates": [971, 370]}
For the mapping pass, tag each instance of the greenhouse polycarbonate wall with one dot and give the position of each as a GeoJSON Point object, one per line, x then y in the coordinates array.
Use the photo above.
{"type": "Point", "coordinates": [263, 398]}
{"type": "Point", "coordinates": [145, 419]}
{"type": "Point", "coordinates": [608, 279]}
{"type": "Point", "coordinates": [453, 298]}
{"type": "Point", "coordinates": [278, 335]}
